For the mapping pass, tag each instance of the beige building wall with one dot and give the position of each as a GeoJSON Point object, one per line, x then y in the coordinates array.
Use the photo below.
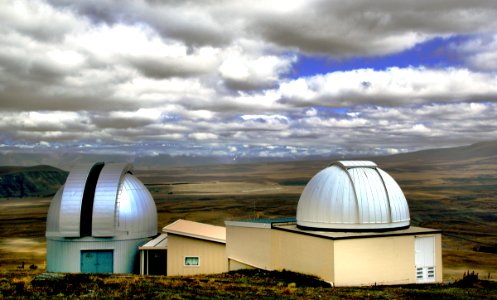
{"type": "Point", "coordinates": [382, 260]}
{"type": "Point", "coordinates": [302, 253]}
{"type": "Point", "coordinates": [212, 256]}
{"type": "Point", "coordinates": [250, 246]}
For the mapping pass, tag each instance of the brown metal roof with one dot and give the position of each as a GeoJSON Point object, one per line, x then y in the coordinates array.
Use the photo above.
{"type": "Point", "coordinates": [197, 230]}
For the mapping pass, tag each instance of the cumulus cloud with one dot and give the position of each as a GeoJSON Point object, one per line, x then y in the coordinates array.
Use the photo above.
{"type": "Point", "coordinates": [37, 20]}
{"type": "Point", "coordinates": [241, 72]}
{"type": "Point", "coordinates": [203, 136]}
{"type": "Point", "coordinates": [331, 27]}
{"type": "Point", "coordinates": [392, 86]}
{"type": "Point", "coordinates": [219, 77]}
{"type": "Point", "coordinates": [480, 52]}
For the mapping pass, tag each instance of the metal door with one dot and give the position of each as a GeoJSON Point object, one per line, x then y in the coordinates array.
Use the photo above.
{"type": "Point", "coordinates": [425, 259]}
{"type": "Point", "coordinates": [97, 261]}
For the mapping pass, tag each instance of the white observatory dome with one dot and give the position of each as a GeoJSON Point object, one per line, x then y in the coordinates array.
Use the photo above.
{"type": "Point", "coordinates": [98, 219]}
{"type": "Point", "coordinates": [102, 200]}
{"type": "Point", "coordinates": [352, 196]}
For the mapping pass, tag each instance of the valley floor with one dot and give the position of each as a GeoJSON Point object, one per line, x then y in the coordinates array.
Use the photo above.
{"type": "Point", "coordinates": [458, 198]}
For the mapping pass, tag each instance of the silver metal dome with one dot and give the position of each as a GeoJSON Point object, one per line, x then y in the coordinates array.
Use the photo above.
{"type": "Point", "coordinates": [352, 196]}
{"type": "Point", "coordinates": [102, 200]}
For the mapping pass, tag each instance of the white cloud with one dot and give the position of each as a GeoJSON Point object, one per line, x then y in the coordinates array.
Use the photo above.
{"type": "Point", "coordinates": [480, 52]}
{"type": "Point", "coordinates": [334, 122]}
{"type": "Point", "coordinates": [142, 113]}
{"type": "Point", "coordinates": [311, 112]}
{"type": "Point", "coordinates": [420, 128]}
{"type": "Point", "coordinates": [243, 72]}
{"type": "Point", "coordinates": [134, 72]}
{"type": "Point", "coordinates": [263, 122]}
{"type": "Point", "coordinates": [392, 86]}
{"type": "Point", "coordinates": [200, 136]}
{"type": "Point", "coordinates": [332, 27]}
{"type": "Point", "coordinates": [199, 114]}
{"type": "Point", "coordinates": [42, 121]}
{"type": "Point", "coordinates": [36, 19]}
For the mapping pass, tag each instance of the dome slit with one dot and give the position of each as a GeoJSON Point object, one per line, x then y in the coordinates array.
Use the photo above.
{"type": "Point", "coordinates": [88, 200]}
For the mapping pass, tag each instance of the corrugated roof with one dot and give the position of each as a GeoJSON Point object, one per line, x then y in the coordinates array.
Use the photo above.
{"type": "Point", "coordinates": [160, 242]}
{"type": "Point", "coordinates": [197, 230]}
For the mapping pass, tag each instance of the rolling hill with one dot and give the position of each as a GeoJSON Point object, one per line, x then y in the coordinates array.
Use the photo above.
{"type": "Point", "coordinates": [36, 181]}
{"type": "Point", "coordinates": [483, 152]}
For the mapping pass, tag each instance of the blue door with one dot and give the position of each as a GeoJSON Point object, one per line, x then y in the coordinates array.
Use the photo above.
{"type": "Point", "coordinates": [97, 261]}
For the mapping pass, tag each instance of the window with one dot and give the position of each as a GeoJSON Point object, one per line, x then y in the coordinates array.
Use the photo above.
{"type": "Point", "coordinates": [192, 261]}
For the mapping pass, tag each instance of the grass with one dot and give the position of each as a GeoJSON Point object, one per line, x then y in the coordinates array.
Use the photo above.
{"type": "Point", "coordinates": [245, 284]}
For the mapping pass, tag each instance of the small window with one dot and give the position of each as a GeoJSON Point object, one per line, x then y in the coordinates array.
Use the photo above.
{"type": "Point", "coordinates": [192, 261]}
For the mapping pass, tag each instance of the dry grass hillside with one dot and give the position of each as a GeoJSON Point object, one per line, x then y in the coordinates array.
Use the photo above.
{"type": "Point", "coordinates": [243, 284]}
{"type": "Point", "coordinates": [36, 181]}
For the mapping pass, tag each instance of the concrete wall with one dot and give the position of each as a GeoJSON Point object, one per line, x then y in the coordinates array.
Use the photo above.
{"type": "Point", "coordinates": [251, 246]}
{"type": "Point", "coordinates": [212, 256]}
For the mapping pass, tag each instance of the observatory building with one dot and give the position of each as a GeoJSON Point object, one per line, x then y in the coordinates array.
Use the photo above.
{"type": "Point", "coordinates": [98, 219]}
{"type": "Point", "coordinates": [352, 228]}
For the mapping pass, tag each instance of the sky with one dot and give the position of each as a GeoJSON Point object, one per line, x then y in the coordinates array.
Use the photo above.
{"type": "Point", "coordinates": [271, 78]}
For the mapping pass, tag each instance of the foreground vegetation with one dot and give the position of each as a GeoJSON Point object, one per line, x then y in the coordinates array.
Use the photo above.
{"type": "Point", "coordinates": [246, 284]}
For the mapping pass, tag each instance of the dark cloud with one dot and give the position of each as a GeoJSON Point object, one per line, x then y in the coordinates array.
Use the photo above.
{"type": "Point", "coordinates": [167, 67]}
{"type": "Point", "coordinates": [100, 11]}
{"type": "Point", "coordinates": [247, 85]}
{"type": "Point", "coordinates": [192, 24]}
{"type": "Point", "coordinates": [120, 123]}
{"type": "Point", "coordinates": [344, 29]}
{"type": "Point", "coordinates": [336, 28]}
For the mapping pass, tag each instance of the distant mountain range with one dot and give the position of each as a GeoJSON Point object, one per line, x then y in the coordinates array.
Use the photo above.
{"type": "Point", "coordinates": [67, 160]}
{"type": "Point", "coordinates": [44, 180]}
{"type": "Point", "coordinates": [478, 151]}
